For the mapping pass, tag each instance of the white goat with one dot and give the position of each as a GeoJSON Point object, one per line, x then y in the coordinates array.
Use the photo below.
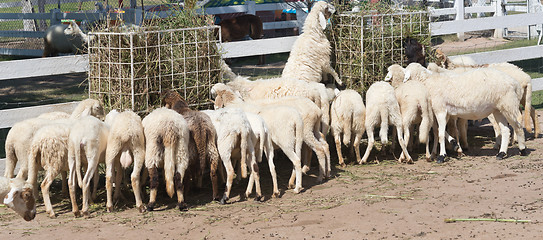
{"type": "Point", "coordinates": [61, 38]}
{"type": "Point", "coordinates": [472, 95]}
{"type": "Point", "coordinates": [126, 139]}
{"type": "Point", "coordinates": [17, 195]}
{"type": "Point", "coordinates": [167, 138]}
{"type": "Point", "coordinates": [309, 58]}
{"type": "Point", "coordinates": [348, 116]}
{"type": "Point", "coordinates": [382, 107]}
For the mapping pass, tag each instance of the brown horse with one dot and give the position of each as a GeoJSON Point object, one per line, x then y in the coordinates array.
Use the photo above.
{"type": "Point", "coordinates": [235, 29]}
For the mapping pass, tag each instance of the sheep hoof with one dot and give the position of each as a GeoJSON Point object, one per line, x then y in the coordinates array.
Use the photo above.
{"type": "Point", "coordinates": [276, 195]}
{"type": "Point", "coordinates": [441, 158]}
{"type": "Point", "coordinates": [343, 165]}
{"type": "Point", "coordinates": [182, 206]}
{"type": "Point", "coordinates": [524, 152]}
{"type": "Point", "coordinates": [258, 199]}
{"type": "Point", "coordinates": [297, 190]}
{"type": "Point", "coordinates": [454, 145]}
{"type": "Point", "coordinates": [150, 207]}
{"type": "Point", "coordinates": [224, 200]}
{"type": "Point", "coordinates": [86, 214]}
{"type": "Point", "coordinates": [305, 169]}
{"type": "Point", "coordinates": [141, 208]}
{"type": "Point", "coordinates": [52, 215]}
{"type": "Point", "coordinates": [501, 155]}
{"type": "Point", "coordinates": [109, 209]}
{"type": "Point", "coordinates": [77, 214]}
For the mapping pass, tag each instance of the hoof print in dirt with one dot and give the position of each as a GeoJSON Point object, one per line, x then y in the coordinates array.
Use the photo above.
{"type": "Point", "coordinates": [524, 152]}
{"type": "Point", "coordinates": [500, 156]}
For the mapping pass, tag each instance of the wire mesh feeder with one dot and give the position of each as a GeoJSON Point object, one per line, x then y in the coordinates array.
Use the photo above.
{"type": "Point", "coordinates": [130, 70]}
{"type": "Point", "coordinates": [366, 43]}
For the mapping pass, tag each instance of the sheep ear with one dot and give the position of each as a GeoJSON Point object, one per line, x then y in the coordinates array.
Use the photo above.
{"type": "Point", "coordinates": [322, 20]}
{"type": "Point", "coordinates": [388, 77]}
{"type": "Point", "coordinates": [8, 199]}
{"type": "Point", "coordinates": [407, 76]}
{"type": "Point", "coordinates": [336, 91]}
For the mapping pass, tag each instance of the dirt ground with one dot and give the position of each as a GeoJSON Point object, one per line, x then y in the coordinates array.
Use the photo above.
{"type": "Point", "coordinates": [385, 200]}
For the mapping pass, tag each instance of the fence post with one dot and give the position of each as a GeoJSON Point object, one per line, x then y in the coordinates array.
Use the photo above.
{"type": "Point", "coordinates": [251, 7]}
{"type": "Point", "coordinates": [460, 12]}
{"type": "Point", "coordinates": [498, 33]}
{"type": "Point", "coordinates": [54, 16]}
{"type": "Point", "coordinates": [28, 24]}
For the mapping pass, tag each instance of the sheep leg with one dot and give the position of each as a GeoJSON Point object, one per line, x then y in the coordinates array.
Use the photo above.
{"type": "Point", "coordinates": [463, 129]}
{"type": "Point", "coordinates": [442, 124]}
{"type": "Point", "coordinates": [296, 172]}
{"type": "Point", "coordinates": [153, 185]}
{"type": "Point", "coordinates": [504, 134]}
{"type": "Point", "coordinates": [313, 143]}
{"type": "Point", "coordinates": [329, 69]}
{"type": "Point", "coordinates": [371, 141]}
{"type": "Point", "coordinates": [535, 121]}
{"type": "Point", "coordinates": [139, 158]}
{"type": "Point", "coordinates": [306, 159]}
{"type": "Point", "coordinates": [64, 183]}
{"type": "Point", "coordinates": [497, 131]}
{"type": "Point", "coordinates": [402, 140]}
{"type": "Point", "coordinates": [45, 185]}
{"type": "Point", "coordinates": [271, 165]}
{"type": "Point", "coordinates": [93, 165]}
{"type": "Point", "coordinates": [519, 131]}
{"type": "Point", "coordinates": [356, 145]}
{"type": "Point", "coordinates": [71, 185]}
{"type": "Point", "coordinates": [109, 183]}
{"type": "Point", "coordinates": [326, 149]}
{"type": "Point", "coordinates": [95, 179]}
{"type": "Point", "coordinates": [11, 160]}
{"type": "Point", "coordinates": [229, 176]}
{"type": "Point", "coordinates": [337, 139]}
{"type": "Point", "coordinates": [119, 173]}
{"type": "Point", "coordinates": [213, 168]}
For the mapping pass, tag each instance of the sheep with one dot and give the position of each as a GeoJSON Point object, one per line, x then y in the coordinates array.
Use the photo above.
{"type": "Point", "coordinates": [309, 58]}
{"type": "Point", "coordinates": [17, 195]}
{"type": "Point", "coordinates": [49, 149]}
{"type": "Point", "coordinates": [87, 141]}
{"type": "Point", "coordinates": [382, 107]}
{"type": "Point", "coordinates": [414, 51]}
{"type": "Point", "coordinates": [284, 123]}
{"type": "Point", "coordinates": [18, 139]}
{"type": "Point", "coordinates": [415, 107]}
{"type": "Point", "coordinates": [125, 139]}
{"type": "Point", "coordinates": [472, 95]}
{"type": "Point", "coordinates": [202, 143]}
{"type": "Point", "coordinates": [281, 87]}
{"type": "Point", "coordinates": [312, 136]}
{"type": "Point", "coordinates": [348, 115]}
{"type": "Point", "coordinates": [233, 130]}
{"type": "Point", "coordinates": [166, 146]}
{"type": "Point", "coordinates": [61, 38]}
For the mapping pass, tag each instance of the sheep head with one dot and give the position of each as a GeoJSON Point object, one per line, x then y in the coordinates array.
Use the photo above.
{"type": "Point", "coordinates": [88, 107]}
{"type": "Point", "coordinates": [21, 199]}
{"type": "Point", "coordinates": [72, 29]}
{"type": "Point", "coordinates": [172, 100]}
{"type": "Point", "coordinates": [415, 71]}
{"type": "Point", "coordinates": [223, 95]}
{"type": "Point", "coordinates": [395, 75]}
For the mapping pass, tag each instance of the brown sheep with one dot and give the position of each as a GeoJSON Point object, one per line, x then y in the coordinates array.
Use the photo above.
{"type": "Point", "coordinates": [202, 143]}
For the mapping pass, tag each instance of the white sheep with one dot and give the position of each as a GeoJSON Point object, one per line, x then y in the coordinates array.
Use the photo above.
{"type": "Point", "coordinates": [382, 107]}
{"type": "Point", "coordinates": [235, 135]}
{"type": "Point", "coordinates": [62, 38]}
{"type": "Point", "coordinates": [87, 142]}
{"type": "Point", "coordinates": [309, 58]}
{"type": "Point", "coordinates": [20, 135]}
{"type": "Point", "coordinates": [313, 138]}
{"type": "Point", "coordinates": [17, 195]}
{"type": "Point", "coordinates": [415, 107]}
{"type": "Point", "coordinates": [348, 116]}
{"type": "Point", "coordinates": [284, 123]}
{"type": "Point", "coordinates": [166, 146]}
{"type": "Point", "coordinates": [472, 95]}
{"type": "Point", "coordinates": [49, 149]}
{"type": "Point", "coordinates": [125, 144]}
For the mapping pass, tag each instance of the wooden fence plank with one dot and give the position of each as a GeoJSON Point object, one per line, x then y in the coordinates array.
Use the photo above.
{"type": "Point", "coordinates": [507, 55]}
{"type": "Point", "coordinates": [11, 116]}
{"type": "Point", "coordinates": [537, 84]}
{"type": "Point", "coordinates": [258, 47]}
{"type": "Point", "coordinates": [477, 24]}
{"type": "Point", "coordinates": [43, 66]}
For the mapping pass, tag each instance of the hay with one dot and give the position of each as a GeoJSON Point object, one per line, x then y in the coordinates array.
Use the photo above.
{"type": "Point", "coordinates": [131, 67]}
{"type": "Point", "coordinates": [369, 41]}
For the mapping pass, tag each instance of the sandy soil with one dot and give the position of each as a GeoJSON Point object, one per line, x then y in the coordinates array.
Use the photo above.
{"type": "Point", "coordinates": [374, 201]}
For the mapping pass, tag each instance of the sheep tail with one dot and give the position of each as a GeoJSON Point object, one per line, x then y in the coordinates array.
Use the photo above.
{"type": "Point", "coordinates": [299, 137]}
{"type": "Point", "coordinates": [11, 160]}
{"type": "Point", "coordinates": [347, 123]}
{"type": "Point", "coordinates": [169, 168]}
{"type": "Point", "coordinates": [244, 149]}
{"type": "Point", "coordinates": [528, 105]}
{"type": "Point", "coordinates": [425, 124]}
{"type": "Point", "coordinates": [263, 142]}
{"type": "Point", "coordinates": [33, 163]}
{"type": "Point", "coordinates": [77, 158]}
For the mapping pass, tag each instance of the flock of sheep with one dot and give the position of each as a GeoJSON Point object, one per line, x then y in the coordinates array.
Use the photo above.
{"type": "Point", "coordinates": [293, 113]}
